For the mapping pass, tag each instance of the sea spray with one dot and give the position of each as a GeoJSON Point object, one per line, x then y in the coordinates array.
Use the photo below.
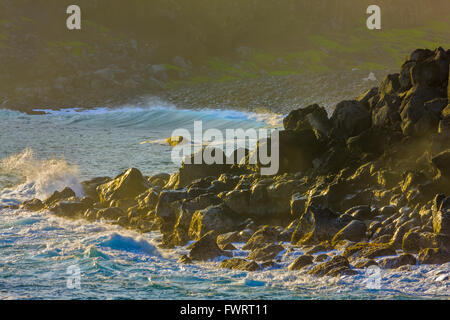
{"type": "Point", "coordinates": [39, 178]}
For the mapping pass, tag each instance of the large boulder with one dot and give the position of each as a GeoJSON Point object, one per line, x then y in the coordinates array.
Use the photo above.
{"type": "Point", "coordinates": [316, 224]}
{"type": "Point", "coordinates": [431, 69]}
{"type": "Point", "coordinates": [417, 119]}
{"type": "Point", "coordinates": [354, 231]}
{"type": "Point", "coordinates": [90, 186]}
{"type": "Point", "coordinates": [265, 253]}
{"type": "Point", "coordinates": [206, 248]}
{"type": "Point", "coordinates": [301, 262]}
{"type": "Point", "coordinates": [125, 186]}
{"type": "Point", "coordinates": [312, 117]}
{"type": "Point", "coordinates": [441, 217]}
{"type": "Point", "coordinates": [32, 205]}
{"type": "Point", "coordinates": [169, 202]}
{"type": "Point", "coordinates": [239, 264]}
{"type": "Point", "coordinates": [263, 236]}
{"type": "Point", "coordinates": [369, 250]}
{"type": "Point", "coordinates": [434, 256]}
{"type": "Point", "coordinates": [218, 218]}
{"type": "Point", "coordinates": [66, 193]}
{"type": "Point", "coordinates": [351, 118]}
{"type": "Point", "coordinates": [70, 208]}
{"type": "Point", "coordinates": [415, 240]}
{"type": "Point", "coordinates": [397, 262]}
{"type": "Point", "coordinates": [337, 266]}
{"type": "Point", "coordinates": [442, 162]}
{"type": "Point", "coordinates": [297, 149]}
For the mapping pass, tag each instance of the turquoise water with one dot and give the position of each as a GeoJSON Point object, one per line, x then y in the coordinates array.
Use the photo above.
{"type": "Point", "coordinates": [39, 252]}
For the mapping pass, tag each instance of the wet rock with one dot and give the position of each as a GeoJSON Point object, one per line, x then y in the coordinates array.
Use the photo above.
{"type": "Point", "coordinates": [432, 70]}
{"type": "Point", "coordinates": [32, 205]}
{"type": "Point", "coordinates": [416, 119]}
{"type": "Point", "coordinates": [69, 208]}
{"type": "Point", "coordinates": [265, 253]}
{"type": "Point", "coordinates": [191, 171]}
{"type": "Point", "coordinates": [316, 224]}
{"type": "Point", "coordinates": [321, 257]}
{"type": "Point", "coordinates": [397, 262]}
{"type": "Point", "coordinates": [239, 264]}
{"type": "Point", "coordinates": [351, 118]}
{"type": "Point", "coordinates": [286, 234]}
{"type": "Point", "coordinates": [415, 240]}
{"type": "Point", "coordinates": [298, 204]}
{"type": "Point", "coordinates": [298, 149]}
{"type": "Point", "coordinates": [354, 231]}
{"type": "Point", "coordinates": [312, 117]}
{"type": "Point", "coordinates": [363, 212]}
{"type": "Point", "coordinates": [90, 186]}
{"type": "Point", "coordinates": [441, 218]}
{"type": "Point", "coordinates": [318, 248]}
{"type": "Point", "coordinates": [336, 266]}
{"type": "Point", "coordinates": [66, 193]}
{"type": "Point", "coordinates": [169, 203]}
{"type": "Point", "coordinates": [112, 213]}
{"type": "Point", "coordinates": [301, 262]}
{"type": "Point", "coordinates": [369, 250]}
{"type": "Point", "coordinates": [184, 259]}
{"type": "Point", "coordinates": [206, 248]}
{"type": "Point", "coordinates": [228, 238]}
{"type": "Point", "coordinates": [434, 256]}
{"type": "Point", "coordinates": [218, 218]}
{"type": "Point", "coordinates": [442, 163]}
{"type": "Point", "coordinates": [263, 236]}
{"type": "Point", "coordinates": [127, 185]}
{"type": "Point", "coordinates": [148, 199]}
{"type": "Point", "coordinates": [364, 263]}
{"type": "Point", "coordinates": [159, 180]}
{"type": "Point", "coordinates": [388, 211]}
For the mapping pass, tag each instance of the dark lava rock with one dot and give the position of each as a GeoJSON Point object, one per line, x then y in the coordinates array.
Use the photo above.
{"type": "Point", "coordinates": [415, 240]}
{"type": "Point", "coordinates": [442, 162]}
{"type": "Point", "coordinates": [354, 231]}
{"type": "Point", "coordinates": [351, 118]}
{"type": "Point", "coordinates": [70, 208]}
{"type": "Point", "coordinates": [32, 205]}
{"type": "Point", "coordinates": [434, 256]}
{"type": "Point", "coordinates": [369, 250]}
{"type": "Point", "coordinates": [396, 262]}
{"type": "Point", "coordinates": [239, 264]}
{"type": "Point", "coordinates": [184, 259]}
{"type": "Point", "coordinates": [261, 237]}
{"type": "Point", "coordinates": [336, 266]}
{"type": "Point", "coordinates": [206, 248]}
{"type": "Point", "coordinates": [265, 253]}
{"type": "Point", "coordinates": [441, 218]}
{"type": "Point", "coordinates": [321, 257]}
{"type": "Point", "coordinates": [112, 213]}
{"type": "Point", "coordinates": [316, 224]}
{"type": "Point", "coordinates": [301, 262]}
{"type": "Point", "coordinates": [360, 212]}
{"type": "Point", "coordinates": [218, 218]}
{"type": "Point", "coordinates": [90, 186]}
{"type": "Point", "coordinates": [66, 193]}
{"type": "Point", "coordinates": [127, 185]}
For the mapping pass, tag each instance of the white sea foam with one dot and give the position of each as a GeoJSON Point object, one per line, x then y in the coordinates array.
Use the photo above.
{"type": "Point", "coordinates": [39, 178]}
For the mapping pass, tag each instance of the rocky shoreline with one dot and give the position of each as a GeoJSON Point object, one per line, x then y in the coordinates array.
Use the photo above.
{"type": "Point", "coordinates": [372, 180]}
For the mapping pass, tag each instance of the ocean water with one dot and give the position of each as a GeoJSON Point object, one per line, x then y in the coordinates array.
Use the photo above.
{"type": "Point", "coordinates": [46, 257]}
